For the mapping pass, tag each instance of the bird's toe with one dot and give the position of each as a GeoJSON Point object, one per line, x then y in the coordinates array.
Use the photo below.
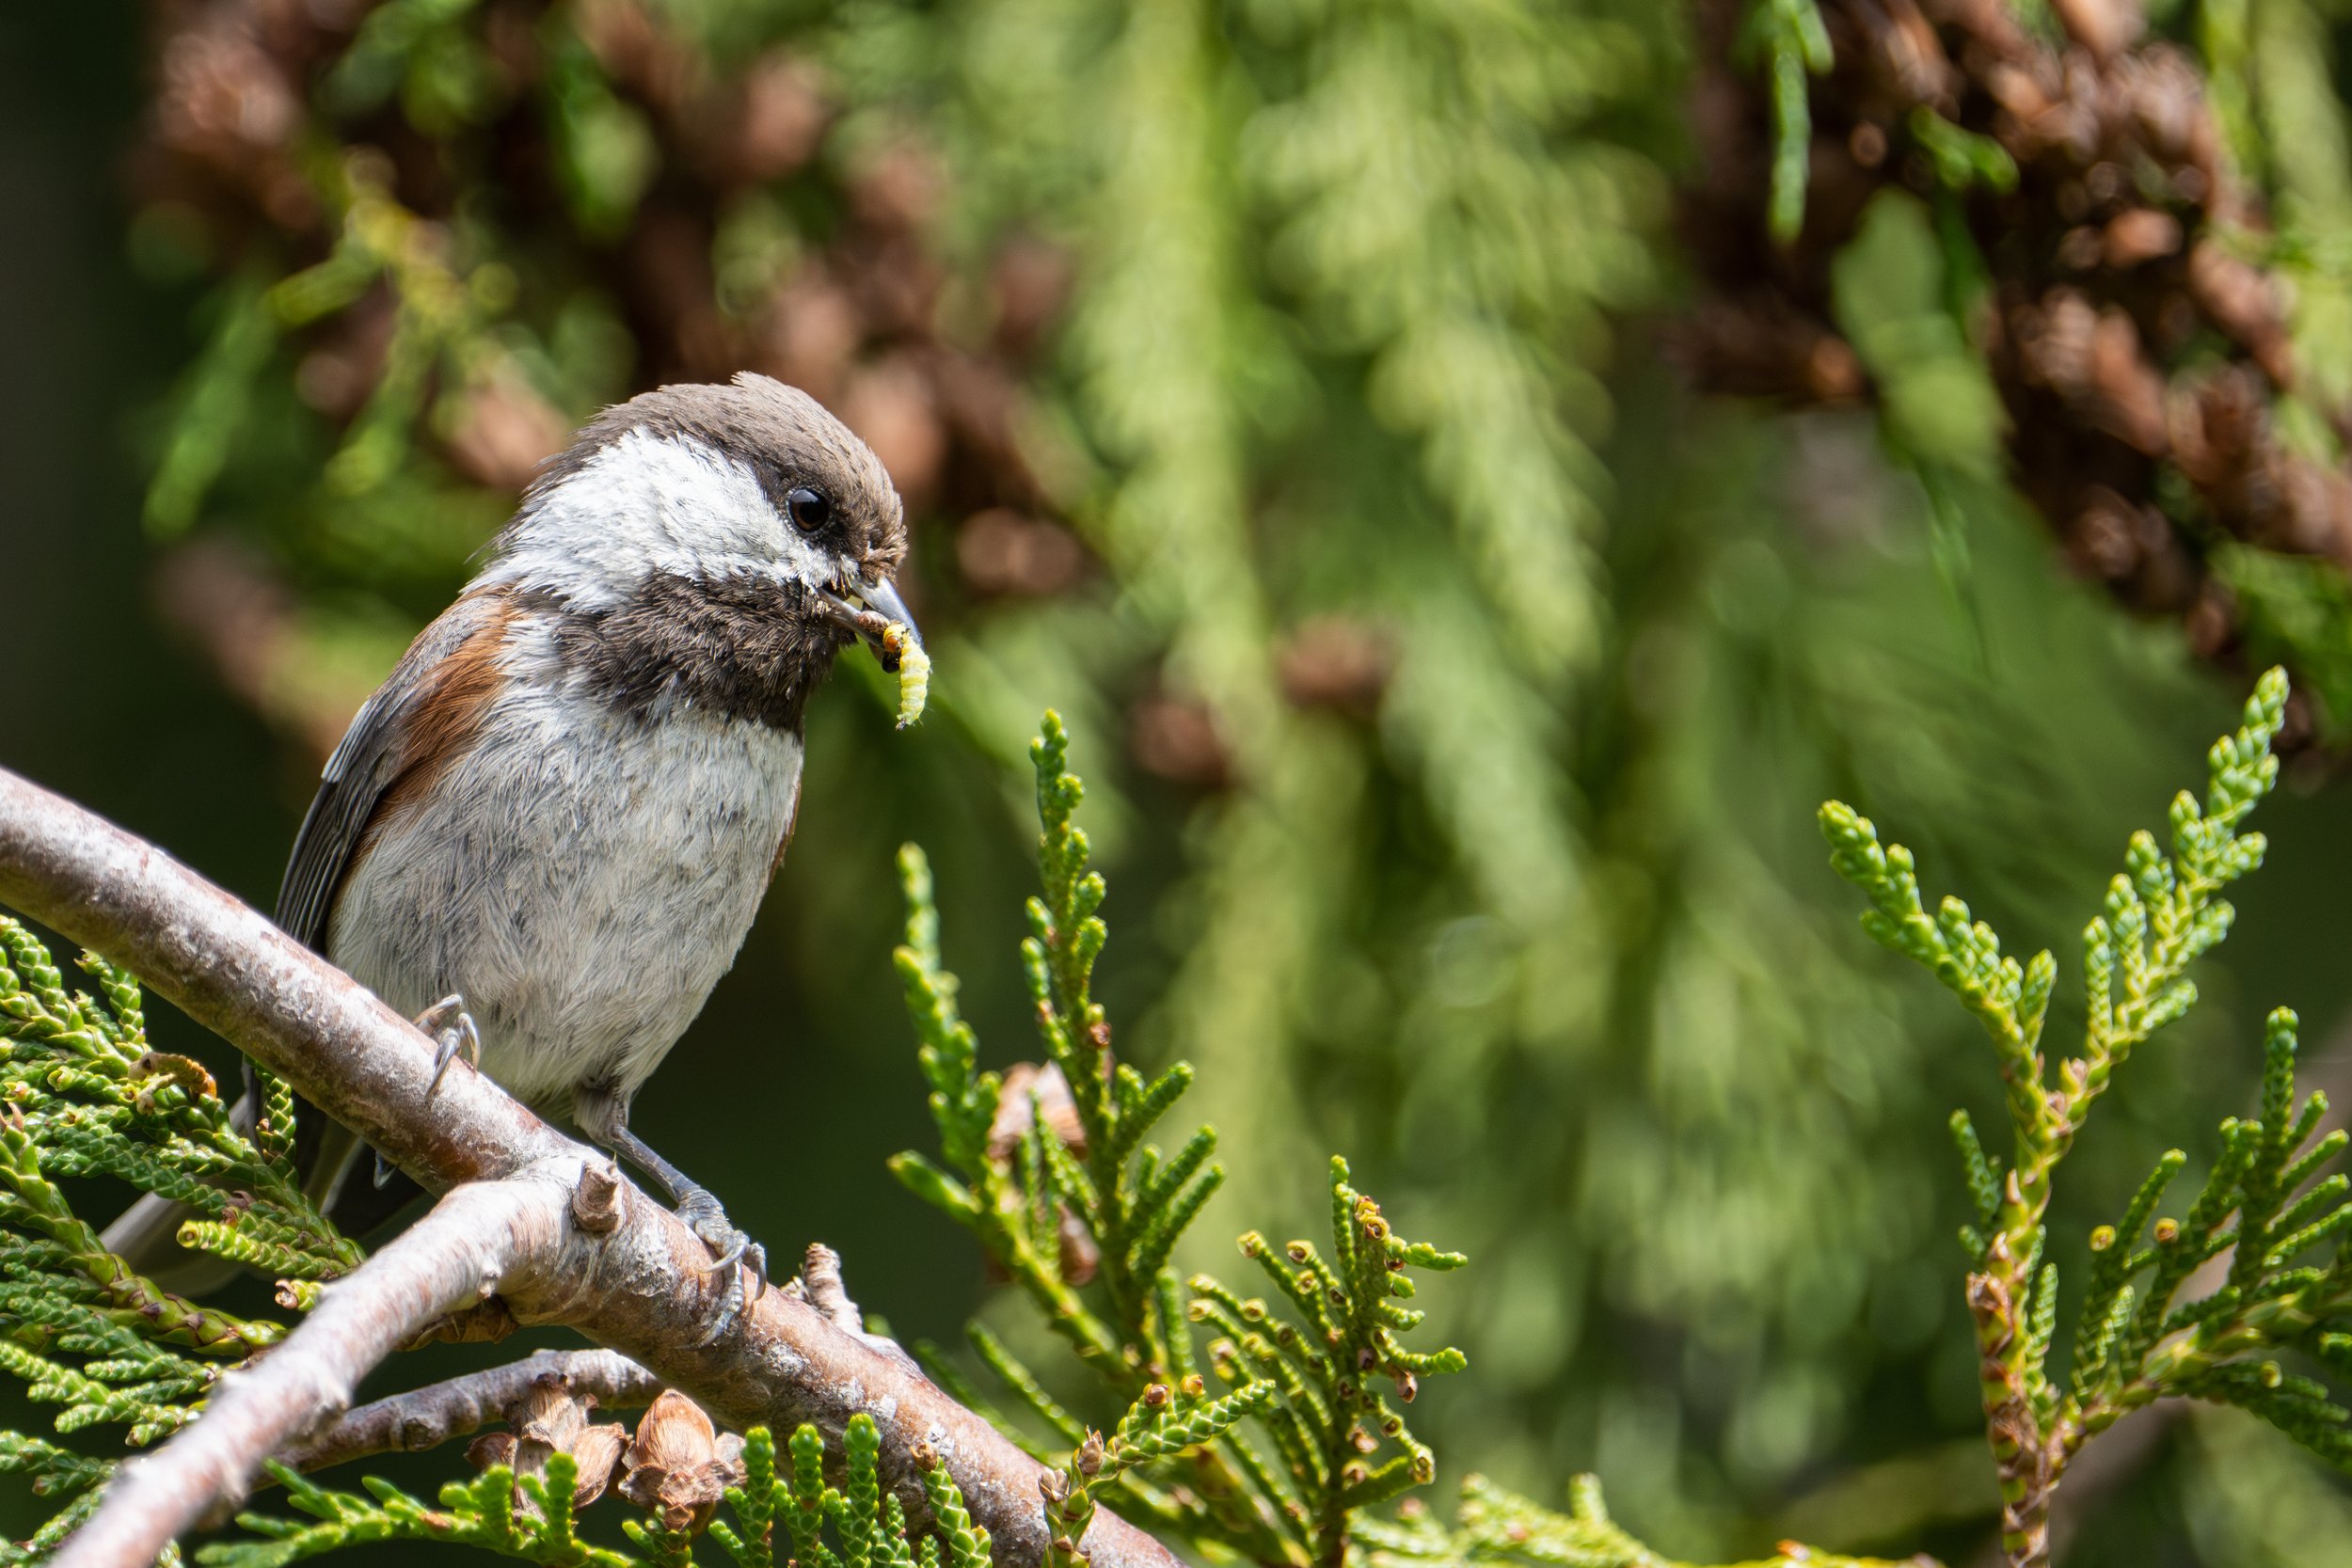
{"type": "Point", "coordinates": [453, 1033]}
{"type": "Point", "coordinates": [729, 1247]}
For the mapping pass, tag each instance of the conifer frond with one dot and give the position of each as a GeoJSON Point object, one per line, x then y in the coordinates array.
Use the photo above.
{"type": "Point", "coordinates": [535, 1518]}
{"type": "Point", "coordinates": [2162, 913]}
{"type": "Point", "coordinates": [2139, 1341]}
{"type": "Point", "coordinates": [1787, 41]}
{"type": "Point", "coordinates": [1332, 1422]}
{"type": "Point", "coordinates": [1050, 1170]}
{"type": "Point", "coordinates": [1132, 1204]}
{"type": "Point", "coordinates": [87, 1095]}
{"type": "Point", "coordinates": [1494, 1526]}
{"type": "Point", "coordinates": [2266, 1206]}
{"type": "Point", "coordinates": [486, 1511]}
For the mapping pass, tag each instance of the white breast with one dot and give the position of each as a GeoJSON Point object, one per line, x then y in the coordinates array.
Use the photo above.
{"type": "Point", "coordinates": [582, 879]}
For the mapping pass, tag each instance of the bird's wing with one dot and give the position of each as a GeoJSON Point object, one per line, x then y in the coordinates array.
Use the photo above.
{"type": "Point", "coordinates": [425, 711]}
{"type": "Point", "coordinates": [792, 820]}
{"type": "Point", "coordinates": [427, 707]}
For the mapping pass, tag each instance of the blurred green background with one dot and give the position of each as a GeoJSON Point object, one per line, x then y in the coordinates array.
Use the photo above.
{"type": "Point", "coordinates": [1284, 390]}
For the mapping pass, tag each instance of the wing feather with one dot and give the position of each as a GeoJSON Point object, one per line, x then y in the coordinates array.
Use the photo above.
{"type": "Point", "coordinates": [401, 736]}
{"type": "Point", "coordinates": [390, 741]}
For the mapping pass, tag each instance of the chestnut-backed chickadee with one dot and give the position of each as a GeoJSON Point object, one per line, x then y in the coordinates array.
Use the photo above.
{"type": "Point", "coordinates": [547, 832]}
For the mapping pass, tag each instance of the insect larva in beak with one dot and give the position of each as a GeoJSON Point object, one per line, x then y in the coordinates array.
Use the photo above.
{"type": "Point", "coordinates": [915, 670]}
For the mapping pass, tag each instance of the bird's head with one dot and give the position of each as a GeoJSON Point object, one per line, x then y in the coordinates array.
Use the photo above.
{"type": "Point", "coordinates": [740, 522]}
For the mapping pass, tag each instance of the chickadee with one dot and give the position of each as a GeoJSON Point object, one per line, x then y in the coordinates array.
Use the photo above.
{"type": "Point", "coordinates": [547, 832]}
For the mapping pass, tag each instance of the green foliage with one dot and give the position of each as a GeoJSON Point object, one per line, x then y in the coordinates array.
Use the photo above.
{"type": "Point", "coordinates": [2262, 1213]}
{"type": "Point", "coordinates": [1792, 43]}
{"type": "Point", "coordinates": [1304, 1374]}
{"type": "Point", "coordinates": [1893, 284]}
{"type": "Point", "coordinates": [535, 1518]}
{"type": "Point", "coordinates": [1495, 1526]}
{"type": "Point", "coordinates": [85, 1096]}
{"type": "Point", "coordinates": [1332, 1424]}
{"type": "Point", "coordinates": [88, 1097]}
{"type": "Point", "coordinates": [1962, 158]}
{"type": "Point", "coordinates": [1132, 1204]}
{"type": "Point", "coordinates": [1425, 236]}
{"type": "Point", "coordinates": [2140, 1333]}
{"type": "Point", "coordinates": [967, 1544]}
{"type": "Point", "coordinates": [2162, 915]}
{"type": "Point", "coordinates": [1305, 1385]}
{"type": "Point", "coordinates": [487, 1512]}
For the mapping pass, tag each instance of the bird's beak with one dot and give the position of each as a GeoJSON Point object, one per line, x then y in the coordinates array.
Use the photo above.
{"type": "Point", "coordinates": [873, 607]}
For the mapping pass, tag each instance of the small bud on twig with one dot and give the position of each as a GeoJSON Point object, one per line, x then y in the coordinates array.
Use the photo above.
{"type": "Point", "coordinates": [596, 1200]}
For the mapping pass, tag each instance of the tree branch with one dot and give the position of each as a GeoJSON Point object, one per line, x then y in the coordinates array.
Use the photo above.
{"type": "Point", "coordinates": [437, 1413]}
{"type": "Point", "coordinates": [638, 1282]}
{"type": "Point", "coordinates": [470, 1244]}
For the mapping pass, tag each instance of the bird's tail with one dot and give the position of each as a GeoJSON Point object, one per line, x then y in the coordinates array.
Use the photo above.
{"type": "Point", "coordinates": [146, 1234]}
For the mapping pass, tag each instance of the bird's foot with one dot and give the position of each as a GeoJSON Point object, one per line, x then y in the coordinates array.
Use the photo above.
{"type": "Point", "coordinates": [728, 1248]}
{"type": "Point", "coordinates": [454, 1033]}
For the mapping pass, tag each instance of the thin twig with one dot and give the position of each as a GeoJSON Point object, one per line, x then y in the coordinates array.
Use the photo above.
{"type": "Point", "coordinates": [457, 1407]}
{"type": "Point", "coordinates": [821, 1281]}
{"type": "Point", "coordinates": [644, 1286]}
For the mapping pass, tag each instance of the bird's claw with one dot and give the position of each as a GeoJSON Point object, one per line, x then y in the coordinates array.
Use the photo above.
{"type": "Point", "coordinates": [452, 1030]}
{"type": "Point", "coordinates": [729, 1247]}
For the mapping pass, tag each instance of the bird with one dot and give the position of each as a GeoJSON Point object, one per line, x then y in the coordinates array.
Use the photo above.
{"type": "Point", "coordinates": [546, 835]}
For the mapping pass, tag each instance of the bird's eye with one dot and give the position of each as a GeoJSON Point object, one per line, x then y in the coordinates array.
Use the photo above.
{"type": "Point", "coordinates": [809, 509]}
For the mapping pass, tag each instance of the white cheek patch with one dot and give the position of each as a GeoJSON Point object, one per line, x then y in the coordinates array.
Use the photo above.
{"type": "Point", "coordinates": [651, 505]}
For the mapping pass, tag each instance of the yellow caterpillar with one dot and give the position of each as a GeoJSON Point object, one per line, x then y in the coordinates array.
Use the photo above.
{"type": "Point", "coordinates": [915, 671]}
